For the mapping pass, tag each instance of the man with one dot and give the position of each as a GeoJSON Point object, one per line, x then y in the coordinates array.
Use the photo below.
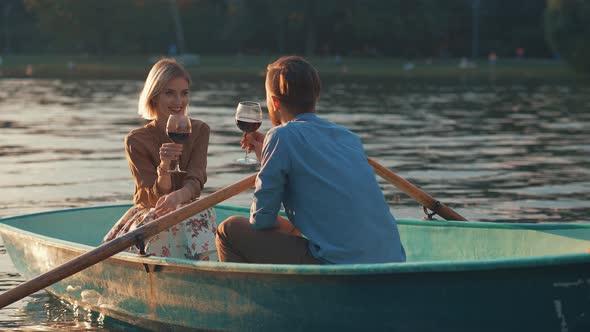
{"type": "Point", "coordinates": [319, 172]}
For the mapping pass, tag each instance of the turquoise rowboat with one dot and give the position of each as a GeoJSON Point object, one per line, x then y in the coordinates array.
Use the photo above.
{"type": "Point", "coordinates": [460, 276]}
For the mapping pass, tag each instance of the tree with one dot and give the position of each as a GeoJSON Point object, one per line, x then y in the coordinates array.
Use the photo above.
{"type": "Point", "coordinates": [17, 28]}
{"type": "Point", "coordinates": [567, 31]}
{"type": "Point", "coordinates": [101, 27]}
{"type": "Point", "coordinates": [398, 28]}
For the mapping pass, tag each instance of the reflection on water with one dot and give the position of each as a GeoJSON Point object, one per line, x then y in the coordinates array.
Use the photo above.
{"type": "Point", "coordinates": [502, 152]}
{"type": "Point", "coordinates": [42, 312]}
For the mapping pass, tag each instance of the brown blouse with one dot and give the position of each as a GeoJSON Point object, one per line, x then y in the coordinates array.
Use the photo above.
{"type": "Point", "coordinates": [142, 147]}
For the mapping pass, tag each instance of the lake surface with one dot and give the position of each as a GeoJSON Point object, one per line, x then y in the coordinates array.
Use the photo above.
{"type": "Point", "coordinates": [508, 152]}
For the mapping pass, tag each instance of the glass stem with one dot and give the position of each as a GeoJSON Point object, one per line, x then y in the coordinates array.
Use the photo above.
{"type": "Point", "coordinates": [246, 157]}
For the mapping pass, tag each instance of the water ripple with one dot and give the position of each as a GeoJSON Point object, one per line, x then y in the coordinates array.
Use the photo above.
{"type": "Point", "coordinates": [502, 152]}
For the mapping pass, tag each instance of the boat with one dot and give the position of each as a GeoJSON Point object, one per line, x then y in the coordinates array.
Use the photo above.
{"type": "Point", "coordinates": [459, 276]}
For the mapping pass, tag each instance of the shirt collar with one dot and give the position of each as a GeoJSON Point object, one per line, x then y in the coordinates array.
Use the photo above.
{"type": "Point", "coordinates": [305, 116]}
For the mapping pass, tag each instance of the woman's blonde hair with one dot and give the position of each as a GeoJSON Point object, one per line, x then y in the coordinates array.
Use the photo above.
{"type": "Point", "coordinates": [160, 74]}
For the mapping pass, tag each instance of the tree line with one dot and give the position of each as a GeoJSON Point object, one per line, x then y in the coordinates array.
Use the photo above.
{"type": "Point", "coordinates": [396, 28]}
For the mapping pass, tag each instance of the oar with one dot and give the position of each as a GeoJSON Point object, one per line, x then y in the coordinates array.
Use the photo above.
{"type": "Point", "coordinates": [420, 196]}
{"type": "Point", "coordinates": [121, 243]}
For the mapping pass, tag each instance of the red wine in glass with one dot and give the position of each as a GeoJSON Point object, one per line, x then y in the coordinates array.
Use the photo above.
{"type": "Point", "coordinates": [248, 126]}
{"type": "Point", "coordinates": [179, 138]}
{"type": "Point", "coordinates": [248, 119]}
{"type": "Point", "coordinates": [179, 129]}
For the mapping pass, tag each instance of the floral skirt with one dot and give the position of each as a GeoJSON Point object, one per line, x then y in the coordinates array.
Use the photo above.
{"type": "Point", "coordinates": [192, 238]}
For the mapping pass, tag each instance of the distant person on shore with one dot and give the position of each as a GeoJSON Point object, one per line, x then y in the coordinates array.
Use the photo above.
{"type": "Point", "coordinates": [150, 153]}
{"type": "Point", "coordinates": [317, 170]}
{"type": "Point", "coordinates": [520, 53]}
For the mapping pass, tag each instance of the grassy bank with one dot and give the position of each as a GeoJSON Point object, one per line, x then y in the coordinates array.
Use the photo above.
{"type": "Point", "coordinates": [209, 66]}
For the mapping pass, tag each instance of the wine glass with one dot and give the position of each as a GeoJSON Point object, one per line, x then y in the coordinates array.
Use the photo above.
{"type": "Point", "coordinates": [179, 129]}
{"type": "Point", "coordinates": [248, 119]}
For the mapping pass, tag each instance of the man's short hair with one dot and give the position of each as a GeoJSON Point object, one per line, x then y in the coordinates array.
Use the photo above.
{"type": "Point", "coordinates": [295, 82]}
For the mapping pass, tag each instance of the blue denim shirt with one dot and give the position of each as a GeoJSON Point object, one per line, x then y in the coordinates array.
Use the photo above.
{"type": "Point", "coordinates": [319, 172]}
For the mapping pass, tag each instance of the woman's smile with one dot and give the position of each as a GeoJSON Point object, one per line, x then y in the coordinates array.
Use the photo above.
{"type": "Point", "coordinates": [173, 99]}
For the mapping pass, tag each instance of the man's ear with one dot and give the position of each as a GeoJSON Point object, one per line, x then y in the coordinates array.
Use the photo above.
{"type": "Point", "coordinates": [276, 102]}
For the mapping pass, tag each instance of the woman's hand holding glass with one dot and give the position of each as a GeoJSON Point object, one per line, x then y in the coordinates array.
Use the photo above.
{"type": "Point", "coordinates": [169, 152]}
{"type": "Point", "coordinates": [178, 129]}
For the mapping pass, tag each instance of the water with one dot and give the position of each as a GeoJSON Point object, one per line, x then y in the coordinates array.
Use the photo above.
{"type": "Point", "coordinates": [508, 152]}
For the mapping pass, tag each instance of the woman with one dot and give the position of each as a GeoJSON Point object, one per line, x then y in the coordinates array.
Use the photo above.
{"type": "Point", "coordinates": [150, 154]}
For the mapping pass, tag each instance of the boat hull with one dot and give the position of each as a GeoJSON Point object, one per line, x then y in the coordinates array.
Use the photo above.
{"type": "Point", "coordinates": [167, 294]}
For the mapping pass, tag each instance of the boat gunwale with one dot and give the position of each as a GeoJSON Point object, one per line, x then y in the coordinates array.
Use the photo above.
{"type": "Point", "coordinates": [343, 269]}
{"type": "Point", "coordinates": [411, 222]}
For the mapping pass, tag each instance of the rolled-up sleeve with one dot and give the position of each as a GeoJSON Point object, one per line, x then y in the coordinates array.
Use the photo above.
{"type": "Point", "coordinates": [143, 170]}
{"type": "Point", "coordinates": [270, 182]}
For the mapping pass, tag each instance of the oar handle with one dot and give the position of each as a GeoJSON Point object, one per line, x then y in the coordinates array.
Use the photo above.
{"type": "Point", "coordinates": [123, 242]}
{"type": "Point", "coordinates": [419, 195]}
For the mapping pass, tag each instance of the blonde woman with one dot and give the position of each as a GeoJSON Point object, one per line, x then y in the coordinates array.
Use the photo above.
{"type": "Point", "coordinates": [150, 153]}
